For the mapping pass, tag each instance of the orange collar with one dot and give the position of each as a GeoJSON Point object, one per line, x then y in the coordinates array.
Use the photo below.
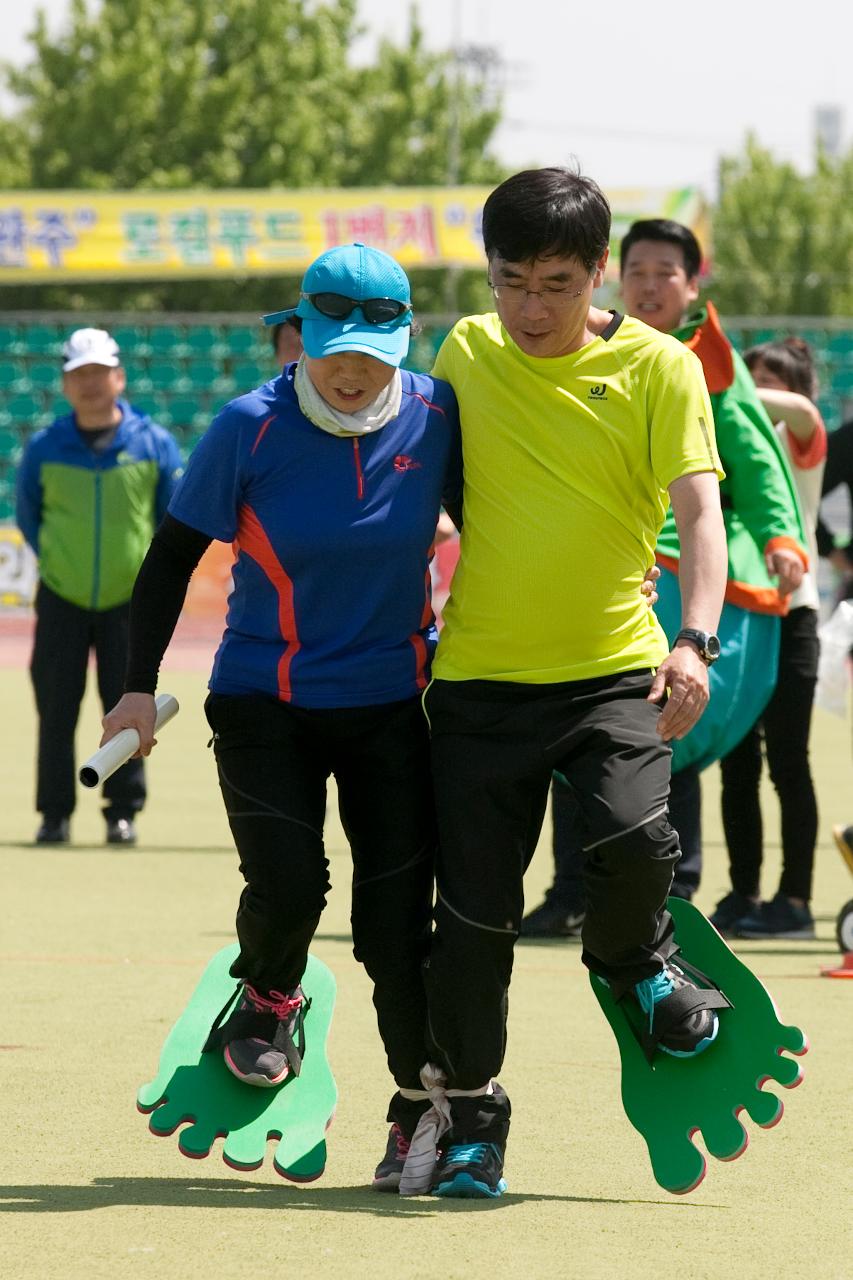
{"type": "Point", "coordinates": [713, 348]}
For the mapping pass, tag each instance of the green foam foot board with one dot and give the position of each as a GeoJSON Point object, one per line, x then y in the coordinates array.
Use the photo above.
{"type": "Point", "coordinates": [195, 1093]}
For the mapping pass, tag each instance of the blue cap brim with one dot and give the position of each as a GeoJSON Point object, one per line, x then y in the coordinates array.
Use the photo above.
{"type": "Point", "coordinates": [278, 317]}
{"type": "Point", "coordinates": [383, 342]}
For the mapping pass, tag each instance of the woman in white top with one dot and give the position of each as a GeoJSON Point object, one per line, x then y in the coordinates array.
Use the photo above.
{"type": "Point", "coordinates": [785, 378]}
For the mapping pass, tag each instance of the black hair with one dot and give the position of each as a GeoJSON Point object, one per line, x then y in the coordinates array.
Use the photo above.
{"type": "Point", "coordinates": [547, 213]}
{"type": "Point", "coordinates": [792, 362]}
{"type": "Point", "coordinates": [295, 322]}
{"type": "Point", "coordinates": [665, 231]}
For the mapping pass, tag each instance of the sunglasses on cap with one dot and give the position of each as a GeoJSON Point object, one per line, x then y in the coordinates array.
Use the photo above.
{"type": "Point", "coordinates": [375, 310]}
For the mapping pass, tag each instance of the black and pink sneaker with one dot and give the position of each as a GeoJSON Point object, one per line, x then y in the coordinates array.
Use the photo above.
{"type": "Point", "coordinates": [268, 1058]}
{"type": "Point", "coordinates": [390, 1167]}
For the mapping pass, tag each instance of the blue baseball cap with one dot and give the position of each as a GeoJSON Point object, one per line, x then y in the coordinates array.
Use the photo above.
{"type": "Point", "coordinates": [358, 272]}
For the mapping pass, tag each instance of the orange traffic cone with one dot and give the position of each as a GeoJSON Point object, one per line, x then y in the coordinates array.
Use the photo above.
{"type": "Point", "coordinates": [844, 970]}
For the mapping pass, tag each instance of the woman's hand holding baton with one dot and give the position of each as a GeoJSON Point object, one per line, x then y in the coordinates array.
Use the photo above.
{"type": "Point", "coordinates": [128, 732]}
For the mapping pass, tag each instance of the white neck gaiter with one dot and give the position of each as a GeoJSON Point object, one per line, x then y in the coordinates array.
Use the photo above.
{"type": "Point", "coordinates": [382, 410]}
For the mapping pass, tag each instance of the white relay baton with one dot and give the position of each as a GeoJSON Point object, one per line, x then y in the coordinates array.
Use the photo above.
{"type": "Point", "coordinates": [125, 744]}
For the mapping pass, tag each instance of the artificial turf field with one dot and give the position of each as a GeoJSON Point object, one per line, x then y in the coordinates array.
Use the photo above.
{"type": "Point", "coordinates": [101, 947]}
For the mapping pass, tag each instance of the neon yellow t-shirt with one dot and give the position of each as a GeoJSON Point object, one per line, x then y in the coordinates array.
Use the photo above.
{"type": "Point", "coordinates": [567, 463]}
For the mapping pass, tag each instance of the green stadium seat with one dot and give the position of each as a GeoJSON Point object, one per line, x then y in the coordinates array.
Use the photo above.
{"type": "Point", "coordinates": [246, 342]}
{"type": "Point", "coordinates": [830, 410]}
{"type": "Point", "coordinates": [842, 382]}
{"type": "Point", "coordinates": [10, 445]}
{"type": "Point", "coordinates": [840, 347]}
{"type": "Point", "coordinates": [166, 376]}
{"type": "Point", "coordinates": [138, 384]}
{"type": "Point", "coordinates": [166, 340]}
{"type": "Point", "coordinates": [132, 341]}
{"type": "Point", "coordinates": [248, 374]}
{"type": "Point", "coordinates": [207, 375]}
{"type": "Point", "coordinates": [42, 374]}
{"type": "Point", "coordinates": [148, 404]}
{"type": "Point", "coordinates": [205, 340]}
{"type": "Point", "coordinates": [12, 376]}
{"type": "Point", "coordinates": [58, 407]}
{"type": "Point", "coordinates": [10, 340]}
{"type": "Point", "coordinates": [44, 340]}
{"type": "Point", "coordinates": [188, 413]}
{"type": "Point", "coordinates": [25, 408]}
{"type": "Point", "coordinates": [190, 441]}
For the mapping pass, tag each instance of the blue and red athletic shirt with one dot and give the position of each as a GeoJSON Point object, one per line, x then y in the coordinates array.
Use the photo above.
{"type": "Point", "coordinates": [331, 605]}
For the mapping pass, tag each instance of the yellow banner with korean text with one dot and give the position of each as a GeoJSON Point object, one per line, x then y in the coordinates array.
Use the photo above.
{"type": "Point", "coordinates": [52, 237]}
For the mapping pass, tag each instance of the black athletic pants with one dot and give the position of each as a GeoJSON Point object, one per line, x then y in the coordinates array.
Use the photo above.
{"type": "Point", "coordinates": [685, 815]}
{"type": "Point", "coordinates": [274, 761]}
{"type": "Point", "coordinates": [64, 635]}
{"type": "Point", "coordinates": [494, 747]}
{"type": "Point", "coordinates": [786, 724]}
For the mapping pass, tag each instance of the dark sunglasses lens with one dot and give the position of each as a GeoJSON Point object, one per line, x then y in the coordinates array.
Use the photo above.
{"type": "Point", "coordinates": [382, 310]}
{"type": "Point", "coordinates": [333, 305]}
{"type": "Point", "coordinates": [375, 310]}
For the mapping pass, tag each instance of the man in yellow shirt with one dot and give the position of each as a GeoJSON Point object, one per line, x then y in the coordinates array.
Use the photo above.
{"type": "Point", "coordinates": [579, 427]}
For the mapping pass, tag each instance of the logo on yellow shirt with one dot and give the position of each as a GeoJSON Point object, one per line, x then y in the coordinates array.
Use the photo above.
{"type": "Point", "coordinates": [598, 391]}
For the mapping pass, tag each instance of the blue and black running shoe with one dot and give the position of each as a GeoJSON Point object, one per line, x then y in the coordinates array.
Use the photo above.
{"type": "Point", "coordinates": [664, 997]}
{"type": "Point", "coordinates": [472, 1172]}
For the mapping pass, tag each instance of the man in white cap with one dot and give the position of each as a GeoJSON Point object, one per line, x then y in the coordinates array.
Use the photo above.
{"type": "Point", "coordinates": [91, 489]}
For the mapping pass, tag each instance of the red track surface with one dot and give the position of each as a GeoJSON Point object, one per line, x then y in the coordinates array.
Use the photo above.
{"type": "Point", "coordinates": [192, 648]}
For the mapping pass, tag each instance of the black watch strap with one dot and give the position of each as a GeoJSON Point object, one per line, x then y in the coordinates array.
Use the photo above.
{"type": "Point", "coordinates": [707, 644]}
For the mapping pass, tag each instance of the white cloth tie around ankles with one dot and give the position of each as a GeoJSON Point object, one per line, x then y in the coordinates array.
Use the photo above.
{"type": "Point", "coordinates": [417, 1172]}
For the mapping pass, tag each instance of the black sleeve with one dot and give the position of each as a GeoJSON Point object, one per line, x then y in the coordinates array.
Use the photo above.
{"type": "Point", "coordinates": [452, 488]}
{"type": "Point", "coordinates": [825, 540]}
{"type": "Point", "coordinates": [158, 597]}
{"type": "Point", "coordinates": [839, 458]}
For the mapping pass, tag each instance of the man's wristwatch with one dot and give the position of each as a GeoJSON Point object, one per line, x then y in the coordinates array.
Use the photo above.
{"type": "Point", "coordinates": [707, 644]}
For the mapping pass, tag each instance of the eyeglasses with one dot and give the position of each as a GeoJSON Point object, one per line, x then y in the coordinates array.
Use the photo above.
{"type": "Point", "coordinates": [514, 294]}
{"type": "Point", "coordinates": [375, 310]}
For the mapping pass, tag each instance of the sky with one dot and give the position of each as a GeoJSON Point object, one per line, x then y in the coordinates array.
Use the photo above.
{"type": "Point", "coordinates": [639, 94]}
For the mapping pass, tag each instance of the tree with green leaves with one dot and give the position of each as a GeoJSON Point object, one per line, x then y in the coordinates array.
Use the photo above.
{"type": "Point", "coordinates": [231, 94]}
{"type": "Point", "coordinates": [783, 240]}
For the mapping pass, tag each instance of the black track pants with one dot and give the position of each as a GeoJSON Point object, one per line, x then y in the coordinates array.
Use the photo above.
{"type": "Point", "coordinates": [494, 747]}
{"type": "Point", "coordinates": [64, 636]}
{"type": "Point", "coordinates": [274, 761]}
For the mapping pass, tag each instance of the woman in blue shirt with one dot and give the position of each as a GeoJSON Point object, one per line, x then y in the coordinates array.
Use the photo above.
{"type": "Point", "coordinates": [328, 480]}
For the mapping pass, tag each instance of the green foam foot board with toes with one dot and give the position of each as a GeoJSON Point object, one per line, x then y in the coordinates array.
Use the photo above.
{"type": "Point", "coordinates": [671, 1099]}
{"type": "Point", "coordinates": [197, 1091]}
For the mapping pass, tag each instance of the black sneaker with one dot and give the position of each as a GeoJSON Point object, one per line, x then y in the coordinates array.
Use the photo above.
{"type": "Point", "coordinates": [258, 1061]}
{"type": "Point", "coordinates": [730, 910]}
{"type": "Point", "coordinates": [843, 837]}
{"type": "Point", "coordinates": [695, 1032]}
{"type": "Point", "coordinates": [121, 831]}
{"type": "Point", "coordinates": [390, 1167]}
{"type": "Point", "coordinates": [777, 919]}
{"type": "Point", "coordinates": [54, 831]}
{"type": "Point", "coordinates": [470, 1166]}
{"type": "Point", "coordinates": [470, 1172]}
{"type": "Point", "coordinates": [552, 919]}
